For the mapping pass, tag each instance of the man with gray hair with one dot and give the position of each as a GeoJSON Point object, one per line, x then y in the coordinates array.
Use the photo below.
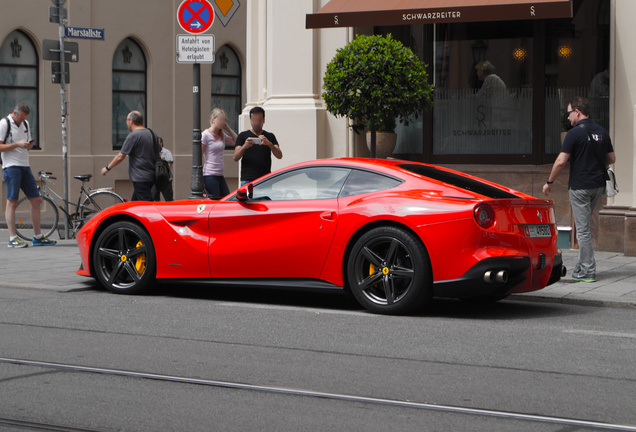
{"type": "Point", "coordinates": [140, 146]}
{"type": "Point", "coordinates": [15, 143]}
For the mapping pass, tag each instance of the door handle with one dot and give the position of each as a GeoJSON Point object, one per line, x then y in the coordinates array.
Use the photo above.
{"type": "Point", "coordinates": [327, 215]}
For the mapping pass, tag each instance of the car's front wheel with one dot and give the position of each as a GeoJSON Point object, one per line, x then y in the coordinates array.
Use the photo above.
{"type": "Point", "coordinates": [388, 271]}
{"type": "Point", "coordinates": [124, 258]}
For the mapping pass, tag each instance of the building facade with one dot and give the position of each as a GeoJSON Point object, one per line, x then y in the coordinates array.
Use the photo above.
{"type": "Point", "coordinates": [267, 56]}
{"type": "Point", "coordinates": [134, 67]}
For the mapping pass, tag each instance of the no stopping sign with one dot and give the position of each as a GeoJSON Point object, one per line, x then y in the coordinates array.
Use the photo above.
{"type": "Point", "coordinates": [195, 16]}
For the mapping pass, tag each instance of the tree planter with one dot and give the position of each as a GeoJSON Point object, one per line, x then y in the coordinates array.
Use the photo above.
{"type": "Point", "coordinates": [384, 143]}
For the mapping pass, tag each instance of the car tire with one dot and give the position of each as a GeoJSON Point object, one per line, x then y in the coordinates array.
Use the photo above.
{"type": "Point", "coordinates": [389, 272]}
{"type": "Point", "coordinates": [124, 259]}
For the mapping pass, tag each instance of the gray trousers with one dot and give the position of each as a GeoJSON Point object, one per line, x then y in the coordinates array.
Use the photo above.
{"type": "Point", "coordinates": [583, 202]}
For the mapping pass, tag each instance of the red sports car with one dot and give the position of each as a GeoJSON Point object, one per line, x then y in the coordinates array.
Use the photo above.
{"type": "Point", "coordinates": [392, 233]}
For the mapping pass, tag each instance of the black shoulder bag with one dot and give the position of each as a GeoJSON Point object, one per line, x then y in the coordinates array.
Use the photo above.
{"type": "Point", "coordinates": [162, 169]}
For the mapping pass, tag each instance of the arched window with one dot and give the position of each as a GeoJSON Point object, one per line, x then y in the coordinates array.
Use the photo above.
{"type": "Point", "coordinates": [19, 77]}
{"type": "Point", "coordinates": [129, 87]}
{"type": "Point", "coordinates": [226, 84]}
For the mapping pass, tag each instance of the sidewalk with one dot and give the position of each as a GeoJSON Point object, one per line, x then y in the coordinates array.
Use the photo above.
{"type": "Point", "coordinates": [53, 268]}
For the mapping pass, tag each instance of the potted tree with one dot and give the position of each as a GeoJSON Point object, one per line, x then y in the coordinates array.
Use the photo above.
{"type": "Point", "coordinates": [373, 80]}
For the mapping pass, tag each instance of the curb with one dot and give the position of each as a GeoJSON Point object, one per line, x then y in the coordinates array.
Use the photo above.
{"type": "Point", "coordinates": [577, 301]}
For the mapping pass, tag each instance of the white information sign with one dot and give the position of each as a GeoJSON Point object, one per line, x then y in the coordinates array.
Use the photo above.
{"type": "Point", "coordinates": [195, 48]}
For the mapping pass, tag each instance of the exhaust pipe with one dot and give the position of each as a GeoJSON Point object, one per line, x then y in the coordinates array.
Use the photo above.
{"type": "Point", "coordinates": [489, 277]}
{"type": "Point", "coordinates": [564, 271]}
{"type": "Point", "coordinates": [494, 276]}
{"type": "Point", "coordinates": [502, 276]}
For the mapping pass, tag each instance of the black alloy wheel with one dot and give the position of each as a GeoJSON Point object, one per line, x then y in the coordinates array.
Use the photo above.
{"type": "Point", "coordinates": [124, 258]}
{"type": "Point", "coordinates": [389, 272]}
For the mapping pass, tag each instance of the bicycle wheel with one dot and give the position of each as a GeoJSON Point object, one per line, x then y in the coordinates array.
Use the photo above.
{"type": "Point", "coordinates": [49, 217]}
{"type": "Point", "coordinates": [96, 202]}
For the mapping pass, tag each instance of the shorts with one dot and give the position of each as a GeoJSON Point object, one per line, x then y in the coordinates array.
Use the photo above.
{"type": "Point", "coordinates": [19, 177]}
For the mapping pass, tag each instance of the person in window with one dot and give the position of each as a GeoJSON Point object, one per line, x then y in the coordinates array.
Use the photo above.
{"type": "Point", "coordinates": [213, 143]}
{"type": "Point", "coordinates": [140, 146]}
{"type": "Point", "coordinates": [15, 143]}
{"type": "Point", "coordinates": [256, 155]}
{"type": "Point", "coordinates": [493, 86]}
{"type": "Point", "coordinates": [167, 193]}
{"type": "Point", "coordinates": [589, 149]}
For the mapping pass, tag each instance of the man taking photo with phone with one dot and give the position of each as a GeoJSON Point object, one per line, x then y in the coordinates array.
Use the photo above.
{"type": "Point", "coordinates": [255, 147]}
{"type": "Point", "coordinates": [15, 143]}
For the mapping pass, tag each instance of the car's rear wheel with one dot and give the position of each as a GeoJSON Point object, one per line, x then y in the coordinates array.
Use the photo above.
{"type": "Point", "coordinates": [124, 258]}
{"type": "Point", "coordinates": [388, 271]}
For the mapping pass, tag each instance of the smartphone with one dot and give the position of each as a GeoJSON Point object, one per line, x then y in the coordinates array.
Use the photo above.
{"type": "Point", "coordinates": [31, 141]}
{"type": "Point", "coordinates": [256, 141]}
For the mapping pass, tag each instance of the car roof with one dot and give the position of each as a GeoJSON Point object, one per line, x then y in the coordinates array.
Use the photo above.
{"type": "Point", "coordinates": [418, 171]}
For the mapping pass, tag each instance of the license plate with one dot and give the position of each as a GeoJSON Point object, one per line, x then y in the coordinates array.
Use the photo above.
{"type": "Point", "coordinates": [533, 231]}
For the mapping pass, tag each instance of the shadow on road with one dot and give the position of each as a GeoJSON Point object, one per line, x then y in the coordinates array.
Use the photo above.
{"type": "Point", "coordinates": [448, 308]}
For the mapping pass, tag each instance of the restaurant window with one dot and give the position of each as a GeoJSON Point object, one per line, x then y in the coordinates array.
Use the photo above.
{"type": "Point", "coordinates": [226, 84]}
{"type": "Point", "coordinates": [129, 87]}
{"type": "Point", "coordinates": [509, 110]}
{"type": "Point", "coordinates": [19, 77]}
{"type": "Point", "coordinates": [483, 89]}
{"type": "Point", "coordinates": [576, 64]}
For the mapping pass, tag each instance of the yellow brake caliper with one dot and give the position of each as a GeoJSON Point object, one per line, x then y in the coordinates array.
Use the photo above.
{"type": "Point", "coordinates": [140, 263]}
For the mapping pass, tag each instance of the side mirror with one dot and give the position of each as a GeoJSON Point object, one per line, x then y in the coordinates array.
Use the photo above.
{"type": "Point", "coordinates": [245, 193]}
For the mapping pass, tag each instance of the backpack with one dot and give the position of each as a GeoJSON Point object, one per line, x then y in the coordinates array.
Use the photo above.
{"type": "Point", "coordinates": [162, 168]}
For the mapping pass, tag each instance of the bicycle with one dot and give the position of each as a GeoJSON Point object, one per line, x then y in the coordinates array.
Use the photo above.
{"type": "Point", "coordinates": [96, 200]}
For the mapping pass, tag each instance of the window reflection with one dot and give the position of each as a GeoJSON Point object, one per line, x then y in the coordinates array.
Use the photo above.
{"type": "Point", "coordinates": [19, 77]}
{"type": "Point", "coordinates": [226, 84]}
{"type": "Point", "coordinates": [483, 95]}
{"type": "Point", "coordinates": [303, 184]}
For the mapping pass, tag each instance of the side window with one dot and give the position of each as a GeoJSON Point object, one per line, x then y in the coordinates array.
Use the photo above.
{"type": "Point", "coordinates": [303, 184]}
{"type": "Point", "coordinates": [19, 77]}
{"type": "Point", "coordinates": [360, 182]}
{"type": "Point", "coordinates": [129, 87]}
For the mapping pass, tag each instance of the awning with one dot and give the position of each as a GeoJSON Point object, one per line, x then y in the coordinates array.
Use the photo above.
{"type": "Point", "coordinates": [360, 13]}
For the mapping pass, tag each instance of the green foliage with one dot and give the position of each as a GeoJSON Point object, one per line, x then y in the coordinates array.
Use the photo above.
{"type": "Point", "coordinates": [374, 80]}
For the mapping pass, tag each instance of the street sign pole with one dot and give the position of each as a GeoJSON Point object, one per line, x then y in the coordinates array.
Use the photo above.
{"type": "Point", "coordinates": [196, 17]}
{"type": "Point", "coordinates": [62, 25]}
{"type": "Point", "coordinates": [196, 182]}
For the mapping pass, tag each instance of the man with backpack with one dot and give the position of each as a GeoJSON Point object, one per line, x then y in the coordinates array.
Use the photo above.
{"type": "Point", "coordinates": [14, 148]}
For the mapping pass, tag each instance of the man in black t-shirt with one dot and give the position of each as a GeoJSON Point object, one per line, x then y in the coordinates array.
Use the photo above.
{"type": "Point", "coordinates": [589, 149]}
{"type": "Point", "coordinates": [257, 158]}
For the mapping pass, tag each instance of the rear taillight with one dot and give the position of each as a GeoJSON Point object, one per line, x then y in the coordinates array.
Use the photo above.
{"type": "Point", "coordinates": [484, 215]}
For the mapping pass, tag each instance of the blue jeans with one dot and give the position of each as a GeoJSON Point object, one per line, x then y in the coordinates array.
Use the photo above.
{"type": "Point", "coordinates": [216, 186]}
{"type": "Point", "coordinates": [19, 177]}
{"type": "Point", "coordinates": [583, 202]}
